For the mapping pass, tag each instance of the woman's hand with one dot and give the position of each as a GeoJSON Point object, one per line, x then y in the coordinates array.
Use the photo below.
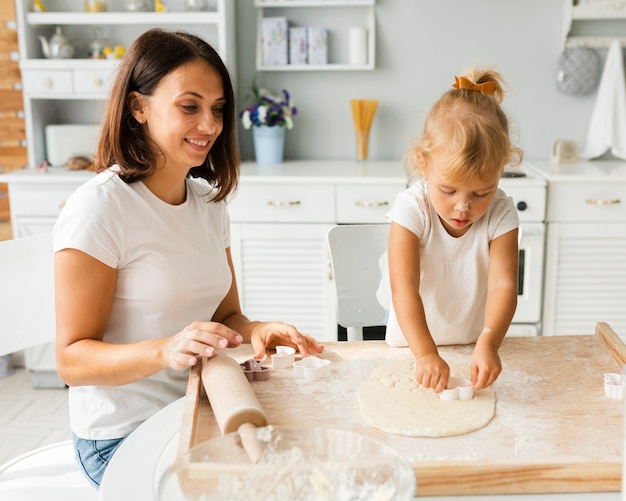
{"type": "Point", "coordinates": [272, 334]}
{"type": "Point", "coordinates": [485, 366]}
{"type": "Point", "coordinates": [199, 339]}
{"type": "Point", "coordinates": [432, 371]}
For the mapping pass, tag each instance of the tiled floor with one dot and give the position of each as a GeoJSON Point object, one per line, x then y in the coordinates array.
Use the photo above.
{"type": "Point", "coordinates": [29, 417]}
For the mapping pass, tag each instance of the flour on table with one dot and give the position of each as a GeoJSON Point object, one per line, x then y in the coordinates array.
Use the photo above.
{"type": "Point", "coordinates": [394, 402]}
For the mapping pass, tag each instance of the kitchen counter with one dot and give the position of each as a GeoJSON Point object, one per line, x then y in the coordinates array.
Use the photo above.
{"type": "Point", "coordinates": [584, 170]}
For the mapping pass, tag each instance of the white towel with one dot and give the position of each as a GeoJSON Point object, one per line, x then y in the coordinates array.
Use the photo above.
{"type": "Point", "coordinates": [607, 129]}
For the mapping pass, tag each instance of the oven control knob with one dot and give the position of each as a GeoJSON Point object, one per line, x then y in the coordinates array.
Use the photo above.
{"type": "Point", "coordinates": [522, 206]}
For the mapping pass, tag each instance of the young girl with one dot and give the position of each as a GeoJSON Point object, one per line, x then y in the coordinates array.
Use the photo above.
{"type": "Point", "coordinates": [144, 280]}
{"type": "Point", "coordinates": [453, 244]}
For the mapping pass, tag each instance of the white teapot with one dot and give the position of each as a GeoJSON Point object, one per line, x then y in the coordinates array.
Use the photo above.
{"type": "Point", "coordinates": [58, 47]}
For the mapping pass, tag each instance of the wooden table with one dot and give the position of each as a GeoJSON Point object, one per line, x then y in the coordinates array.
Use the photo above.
{"type": "Point", "coordinates": [554, 429]}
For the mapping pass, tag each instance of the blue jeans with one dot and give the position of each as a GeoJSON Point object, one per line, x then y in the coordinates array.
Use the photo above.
{"type": "Point", "coordinates": [94, 456]}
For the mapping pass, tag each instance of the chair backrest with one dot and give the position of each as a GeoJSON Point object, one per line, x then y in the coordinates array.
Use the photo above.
{"type": "Point", "coordinates": [26, 293]}
{"type": "Point", "coordinates": [354, 251]}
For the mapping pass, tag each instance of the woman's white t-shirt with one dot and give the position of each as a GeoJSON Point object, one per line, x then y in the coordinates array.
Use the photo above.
{"type": "Point", "coordinates": [172, 269]}
{"type": "Point", "coordinates": [453, 280]}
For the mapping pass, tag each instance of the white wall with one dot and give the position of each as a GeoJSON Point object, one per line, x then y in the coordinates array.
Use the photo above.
{"type": "Point", "coordinates": [421, 45]}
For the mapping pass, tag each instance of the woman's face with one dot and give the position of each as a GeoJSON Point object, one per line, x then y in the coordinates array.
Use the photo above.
{"type": "Point", "coordinates": [184, 115]}
{"type": "Point", "coordinates": [458, 203]}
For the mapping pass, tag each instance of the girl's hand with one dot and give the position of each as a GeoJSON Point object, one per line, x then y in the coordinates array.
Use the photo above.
{"type": "Point", "coordinates": [198, 339]}
{"type": "Point", "coordinates": [432, 371]}
{"type": "Point", "coordinates": [485, 366]}
{"type": "Point", "coordinates": [272, 334]}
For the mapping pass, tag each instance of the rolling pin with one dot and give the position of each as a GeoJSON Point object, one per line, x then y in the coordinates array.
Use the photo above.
{"type": "Point", "coordinates": [234, 404]}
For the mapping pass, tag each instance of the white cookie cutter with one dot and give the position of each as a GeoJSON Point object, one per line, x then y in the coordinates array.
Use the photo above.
{"type": "Point", "coordinates": [614, 386]}
{"type": "Point", "coordinates": [458, 389]}
{"type": "Point", "coordinates": [284, 357]}
{"type": "Point", "coordinates": [311, 368]}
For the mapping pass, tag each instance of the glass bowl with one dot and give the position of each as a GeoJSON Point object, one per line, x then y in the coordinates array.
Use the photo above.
{"type": "Point", "coordinates": [296, 464]}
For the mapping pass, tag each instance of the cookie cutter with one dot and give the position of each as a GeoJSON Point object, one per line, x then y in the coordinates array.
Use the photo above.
{"type": "Point", "coordinates": [284, 357]}
{"type": "Point", "coordinates": [458, 389]}
{"type": "Point", "coordinates": [614, 386]}
{"type": "Point", "coordinates": [311, 368]}
{"type": "Point", "coordinates": [254, 371]}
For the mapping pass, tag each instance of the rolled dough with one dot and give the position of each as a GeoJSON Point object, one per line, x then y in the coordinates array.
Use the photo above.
{"type": "Point", "coordinates": [393, 401]}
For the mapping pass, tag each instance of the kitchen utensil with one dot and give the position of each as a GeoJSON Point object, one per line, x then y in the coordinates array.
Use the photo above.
{"type": "Point", "coordinates": [311, 368]}
{"type": "Point", "coordinates": [234, 404]}
{"type": "Point", "coordinates": [298, 464]}
{"type": "Point", "coordinates": [363, 111]}
{"type": "Point", "coordinates": [283, 358]}
{"type": "Point", "coordinates": [58, 47]}
{"type": "Point", "coordinates": [254, 371]}
{"type": "Point", "coordinates": [97, 45]}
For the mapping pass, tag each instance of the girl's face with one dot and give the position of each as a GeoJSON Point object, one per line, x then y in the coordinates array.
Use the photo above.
{"type": "Point", "coordinates": [184, 115]}
{"type": "Point", "coordinates": [458, 203]}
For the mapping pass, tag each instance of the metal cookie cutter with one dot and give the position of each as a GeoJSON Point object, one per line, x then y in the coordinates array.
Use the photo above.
{"type": "Point", "coordinates": [254, 371]}
{"type": "Point", "coordinates": [311, 368]}
{"type": "Point", "coordinates": [458, 389]}
{"type": "Point", "coordinates": [614, 386]}
{"type": "Point", "coordinates": [284, 357]}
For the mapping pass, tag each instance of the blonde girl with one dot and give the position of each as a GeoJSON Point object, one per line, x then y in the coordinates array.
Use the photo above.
{"type": "Point", "coordinates": [453, 244]}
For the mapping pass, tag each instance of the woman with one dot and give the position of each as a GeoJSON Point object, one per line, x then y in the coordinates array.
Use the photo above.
{"type": "Point", "coordinates": [144, 280]}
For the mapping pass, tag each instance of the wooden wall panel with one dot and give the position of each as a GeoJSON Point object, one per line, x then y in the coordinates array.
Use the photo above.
{"type": "Point", "coordinates": [12, 130]}
{"type": "Point", "coordinates": [13, 154]}
{"type": "Point", "coordinates": [7, 11]}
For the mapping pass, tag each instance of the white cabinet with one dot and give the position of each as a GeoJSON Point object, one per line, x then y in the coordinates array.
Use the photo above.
{"type": "Point", "coordinates": [58, 91]}
{"type": "Point", "coordinates": [585, 273]}
{"type": "Point", "coordinates": [279, 226]}
{"type": "Point", "coordinates": [593, 23]}
{"type": "Point", "coordinates": [337, 16]}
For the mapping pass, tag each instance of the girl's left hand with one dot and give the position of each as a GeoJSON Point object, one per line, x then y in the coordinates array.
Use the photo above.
{"type": "Point", "coordinates": [271, 334]}
{"type": "Point", "coordinates": [485, 367]}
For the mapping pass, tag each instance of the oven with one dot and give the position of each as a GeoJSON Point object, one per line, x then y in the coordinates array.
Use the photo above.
{"type": "Point", "coordinates": [529, 195]}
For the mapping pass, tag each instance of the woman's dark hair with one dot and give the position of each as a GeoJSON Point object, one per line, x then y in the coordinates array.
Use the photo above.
{"type": "Point", "coordinates": [152, 56]}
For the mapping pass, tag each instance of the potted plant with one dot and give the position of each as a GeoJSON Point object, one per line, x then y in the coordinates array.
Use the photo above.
{"type": "Point", "coordinates": [269, 117]}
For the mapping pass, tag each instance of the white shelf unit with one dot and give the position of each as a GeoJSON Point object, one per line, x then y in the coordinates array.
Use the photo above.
{"type": "Point", "coordinates": [331, 14]}
{"type": "Point", "coordinates": [594, 23]}
{"type": "Point", "coordinates": [58, 91]}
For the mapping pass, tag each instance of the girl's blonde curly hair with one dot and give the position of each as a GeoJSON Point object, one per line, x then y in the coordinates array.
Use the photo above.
{"type": "Point", "coordinates": [469, 126]}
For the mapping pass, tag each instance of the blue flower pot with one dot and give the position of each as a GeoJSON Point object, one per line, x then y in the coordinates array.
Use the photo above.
{"type": "Point", "coordinates": [269, 144]}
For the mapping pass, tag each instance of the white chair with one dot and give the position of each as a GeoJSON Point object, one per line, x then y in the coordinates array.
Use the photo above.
{"type": "Point", "coordinates": [27, 319]}
{"type": "Point", "coordinates": [354, 251]}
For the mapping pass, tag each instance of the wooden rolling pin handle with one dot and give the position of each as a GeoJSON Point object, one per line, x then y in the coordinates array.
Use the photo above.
{"type": "Point", "coordinates": [230, 394]}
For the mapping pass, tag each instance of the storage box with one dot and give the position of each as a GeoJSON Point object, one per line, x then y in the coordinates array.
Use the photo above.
{"type": "Point", "coordinates": [69, 140]}
{"type": "Point", "coordinates": [274, 38]}
{"type": "Point", "coordinates": [317, 44]}
{"type": "Point", "coordinates": [297, 45]}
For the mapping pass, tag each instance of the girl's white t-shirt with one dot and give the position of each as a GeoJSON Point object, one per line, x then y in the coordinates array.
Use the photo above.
{"type": "Point", "coordinates": [453, 280]}
{"type": "Point", "coordinates": [172, 269]}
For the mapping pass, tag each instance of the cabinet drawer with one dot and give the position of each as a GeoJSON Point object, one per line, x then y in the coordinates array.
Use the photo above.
{"type": "Point", "coordinates": [284, 202]}
{"type": "Point", "coordinates": [37, 200]}
{"type": "Point", "coordinates": [587, 202]}
{"type": "Point", "coordinates": [365, 203]}
{"type": "Point", "coordinates": [48, 81]}
{"type": "Point", "coordinates": [91, 82]}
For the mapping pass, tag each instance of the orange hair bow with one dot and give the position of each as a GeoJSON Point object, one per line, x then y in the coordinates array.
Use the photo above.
{"type": "Point", "coordinates": [488, 88]}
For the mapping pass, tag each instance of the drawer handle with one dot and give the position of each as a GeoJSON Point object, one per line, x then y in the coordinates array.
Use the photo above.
{"type": "Point", "coordinates": [97, 82]}
{"type": "Point", "coordinates": [596, 201]}
{"type": "Point", "coordinates": [61, 204]}
{"type": "Point", "coordinates": [283, 203]}
{"type": "Point", "coordinates": [46, 83]}
{"type": "Point", "coordinates": [359, 203]}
